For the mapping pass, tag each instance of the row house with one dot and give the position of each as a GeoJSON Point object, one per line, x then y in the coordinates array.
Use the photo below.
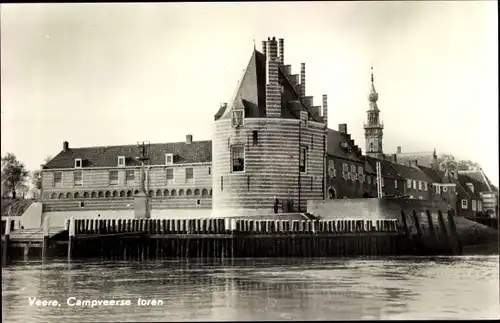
{"type": "Point", "coordinates": [346, 176]}
{"type": "Point", "coordinates": [417, 184]}
{"type": "Point", "coordinates": [171, 171]}
{"type": "Point", "coordinates": [392, 181]}
{"type": "Point", "coordinates": [480, 185]}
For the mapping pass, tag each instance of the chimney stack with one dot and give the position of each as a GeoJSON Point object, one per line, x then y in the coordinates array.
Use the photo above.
{"type": "Point", "coordinates": [325, 109]}
{"type": "Point", "coordinates": [281, 50]}
{"type": "Point", "coordinates": [273, 93]}
{"type": "Point", "coordinates": [343, 127]}
{"type": "Point", "coordinates": [398, 150]}
{"type": "Point", "coordinates": [189, 139]}
{"type": "Point", "coordinates": [302, 80]}
{"type": "Point", "coordinates": [65, 146]}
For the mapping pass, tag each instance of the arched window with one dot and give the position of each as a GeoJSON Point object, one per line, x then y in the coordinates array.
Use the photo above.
{"type": "Point", "coordinates": [136, 192]}
{"type": "Point", "coordinates": [108, 194]}
{"type": "Point", "coordinates": [122, 193]}
{"type": "Point", "coordinates": [94, 195]}
{"type": "Point", "coordinates": [166, 192]}
{"type": "Point", "coordinates": [86, 195]}
{"type": "Point", "coordinates": [204, 192]}
{"type": "Point", "coordinates": [181, 192]}
{"type": "Point", "coordinates": [173, 193]}
{"type": "Point", "coordinates": [53, 196]}
{"type": "Point", "coordinates": [189, 192]}
{"type": "Point", "coordinates": [151, 193]}
{"type": "Point", "coordinates": [371, 146]}
{"type": "Point", "coordinates": [129, 193]}
{"type": "Point", "coordinates": [196, 192]}
{"type": "Point", "coordinates": [69, 195]}
{"type": "Point", "coordinates": [115, 193]}
{"type": "Point", "coordinates": [77, 195]}
{"type": "Point", "coordinates": [101, 194]}
{"type": "Point", "coordinates": [158, 193]}
{"type": "Point", "coordinates": [61, 196]}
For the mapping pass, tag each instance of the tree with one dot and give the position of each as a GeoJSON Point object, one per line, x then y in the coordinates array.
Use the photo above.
{"type": "Point", "coordinates": [36, 177]}
{"type": "Point", "coordinates": [450, 162]}
{"type": "Point", "coordinates": [14, 174]}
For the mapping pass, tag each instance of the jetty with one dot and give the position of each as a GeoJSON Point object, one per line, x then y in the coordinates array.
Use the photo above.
{"type": "Point", "coordinates": [414, 233]}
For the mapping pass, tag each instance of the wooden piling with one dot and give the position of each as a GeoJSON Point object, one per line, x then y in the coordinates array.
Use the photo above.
{"type": "Point", "coordinates": [45, 245]}
{"type": "Point", "coordinates": [453, 233]}
{"type": "Point", "coordinates": [416, 219]}
{"type": "Point", "coordinates": [71, 237]}
{"type": "Point", "coordinates": [406, 229]}
{"type": "Point", "coordinates": [444, 233]}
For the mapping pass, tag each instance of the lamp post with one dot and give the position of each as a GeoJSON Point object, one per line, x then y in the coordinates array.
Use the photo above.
{"type": "Point", "coordinates": [141, 199]}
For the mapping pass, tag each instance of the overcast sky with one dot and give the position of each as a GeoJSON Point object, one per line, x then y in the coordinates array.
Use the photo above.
{"type": "Point", "coordinates": [110, 74]}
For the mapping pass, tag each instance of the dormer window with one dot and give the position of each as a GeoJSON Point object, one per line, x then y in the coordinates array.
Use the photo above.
{"type": "Point", "coordinates": [303, 118]}
{"type": "Point", "coordinates": [237, 118]}
{"type": "Point", "coordinates": [78, 163]}
{"type": "Point", "coordinates": [169, 159]}
{"type": "Point", "coordinates": [121, 161]}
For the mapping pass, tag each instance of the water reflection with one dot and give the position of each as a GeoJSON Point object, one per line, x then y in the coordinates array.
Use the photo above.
{"type": "Point", "coordinates": [257, 289]}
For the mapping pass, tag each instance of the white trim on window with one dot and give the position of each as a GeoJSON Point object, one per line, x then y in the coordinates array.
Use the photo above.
{"type": "Point", "coordinates": [186, 174]}
{"type": "Point", "coordinates": [395, 183]}
{"type": "Point", "coordinates": [169, 159]}
{"type": "Point", "coordinates": [464, 204]}
{"type": "Point", "coordinates": [474, 205]}
{"type": "Point", "coordinates": [425, 186]}
{"type": "Point", "coordinates": [408, 183]}
{"type": "Point", "coordinates": [78, 163]}
{"type": "Point", "coordinates": [445, 189]}
{"type": "Point", "coordinates": [121, 161]}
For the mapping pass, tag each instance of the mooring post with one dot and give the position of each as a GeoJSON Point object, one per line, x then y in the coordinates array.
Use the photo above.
{"type": "Point", "coordinates": [71, 237]}
{"type": "Point", "coordinates": [453, 231]}
{"type": "Point", "coordinates": [417, 226]}
{"type": "Point", "coordinates": [444, 232]}
{"type": "Point", "coordinates": [5, 241]}
{"type": "Point", "coordinates": [406, 229]}
{"type": "Point", "coordinates": [45, 246]}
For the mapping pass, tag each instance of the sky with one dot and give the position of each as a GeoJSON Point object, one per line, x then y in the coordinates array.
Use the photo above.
{"type": "Point", "coordinates": [112, 74]}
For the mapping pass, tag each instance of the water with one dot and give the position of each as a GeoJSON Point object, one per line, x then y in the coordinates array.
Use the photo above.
{"type": "Point", "coordinates": [256, 289]}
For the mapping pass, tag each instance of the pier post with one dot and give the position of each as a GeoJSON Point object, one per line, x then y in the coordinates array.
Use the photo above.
{"type": "Point", "coordinates": [45, 246]}
{"type": "Point", "coordinates": [417, 226]}
{"type": "Point", "coordinates": [444, 233]}
{"type": "Point", "coordinates": [406, 228]}
{"type": "Point", "coordinates": [453, 232]}
{"type": "Point", "coordinates": [5, 241]}
{"type": "Point", "coordinates": [71, 237]}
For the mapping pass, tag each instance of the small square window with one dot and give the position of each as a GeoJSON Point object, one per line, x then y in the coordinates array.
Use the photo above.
{"type": "Point", "coordinates": [113, 177]}
{"type": "Point", "coordinates": [198, 202]}
{"type": "Point", "coordinates": [255, 137]}
{"type": "Point", "coordinates": [77, 178]}
{"type": "Point", "coordinates": [464, 204]}
{"type": "Point", "coordinates": [121, 161]}
{"type": "Point", "coordinates": [169, 159]}
{"type": "Point", "coordinates": [130, 176]}
{"type": "Point", "coordinates": [78, 163]}
{"type": "Point", "coordinates": [189, 173]}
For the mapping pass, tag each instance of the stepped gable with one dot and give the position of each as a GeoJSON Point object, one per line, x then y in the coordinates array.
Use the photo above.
{"type": "Point", "coordinates": [251, 93]}
{"type": "Point", "coordinates": [107, 156]}
{"type": "Point", "coordinates": [335, 148]}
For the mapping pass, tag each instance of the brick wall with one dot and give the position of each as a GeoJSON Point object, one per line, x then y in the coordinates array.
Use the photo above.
{"type": "Point", "coordinates": [271, 166]}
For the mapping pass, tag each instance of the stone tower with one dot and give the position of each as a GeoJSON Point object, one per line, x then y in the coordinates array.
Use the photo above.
{"type": "Point", "coordinates": [373, 127]}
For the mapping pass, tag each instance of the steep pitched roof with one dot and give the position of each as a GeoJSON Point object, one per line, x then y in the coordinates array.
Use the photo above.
{"type": "Point", "coordinates": [388, 169]}
{"type": "Point", "coordinates": [251, 93]}
{"type": "Point", "coordinates": [425, 158]}
{"type": "Point", "coordinates": [335, 142]}
{"type": "Point", "coordinates": [107, 156]}
{"type": "Point", "coordinates": [478, 176]}
{"type": "Point", "coordinates": [415, 173]}
{"type": "Point", "coordinates": [435, 175]}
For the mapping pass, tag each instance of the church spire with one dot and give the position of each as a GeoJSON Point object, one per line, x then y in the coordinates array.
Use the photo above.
{"type": "Point", "coordinates": [373, 128]}
{"type": "Point", "coordinates": [373, 97]}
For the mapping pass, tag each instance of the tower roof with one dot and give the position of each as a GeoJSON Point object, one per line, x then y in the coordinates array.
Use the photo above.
{"type": "Point", "coordinates": [373, 97]}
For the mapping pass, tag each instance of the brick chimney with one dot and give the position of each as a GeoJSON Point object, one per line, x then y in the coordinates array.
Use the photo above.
{"type": "Point", "coordinates": [273, 93]}
{"type": "Point", "coordinates": [65, 146]}
{"type": "Point", "coordinates": [302, 80]}
{"type": "Point", "coordinates": [325, 109]}
{"type": "Point", "coordinates": [189, 139]}
{"type": "Point", "coordinates": [343, 127]}
{"type": "Point", "coordinates": [281, 45]}
{"type": "Point", "coordinates": [398, 151]}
